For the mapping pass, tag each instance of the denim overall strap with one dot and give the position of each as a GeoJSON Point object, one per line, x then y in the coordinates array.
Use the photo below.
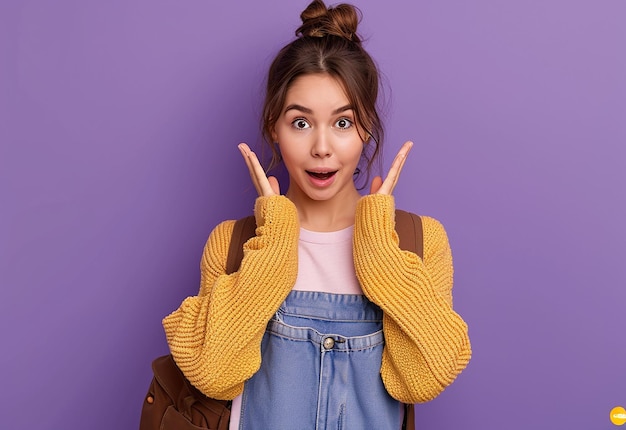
{"type": "Point", "coordinates": [320, 368]}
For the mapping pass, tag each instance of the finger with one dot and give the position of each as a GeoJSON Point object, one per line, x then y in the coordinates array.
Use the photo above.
{"type": "Point", "coordinates": [396, 167]}
{"type": "Point", "coordinates": [245, 152]}
{"type": "Point", "coordinates": [401, 159]}
{"type": "Point", "coordinates": [274, 184]}
{"type": "Point", "coordinates": [261, 177]}
{"type": "Point", "coordinates": [376, 183]}
{"type": "Point", "coordinates": [257, 173]}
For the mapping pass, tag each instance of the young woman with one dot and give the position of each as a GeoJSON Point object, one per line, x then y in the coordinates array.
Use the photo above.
{"type": "Point", "coordinates": [327, 323]}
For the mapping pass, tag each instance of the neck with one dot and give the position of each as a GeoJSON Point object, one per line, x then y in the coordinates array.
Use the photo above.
{"type": "Point", "coordinates": [325, 215]}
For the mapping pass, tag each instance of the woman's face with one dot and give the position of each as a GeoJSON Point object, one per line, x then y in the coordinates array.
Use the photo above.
{"type": "Point", "coordinates": [318, 139]}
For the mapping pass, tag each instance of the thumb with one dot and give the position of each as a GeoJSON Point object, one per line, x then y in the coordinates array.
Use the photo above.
{"type": "Point", "coordinates": [274, 184]}
{"type": "Point", "coordinates": [377, 182]}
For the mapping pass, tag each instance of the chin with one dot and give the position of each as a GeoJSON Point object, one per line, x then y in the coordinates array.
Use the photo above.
{"type": "Point", "coordinates": [320, 197]}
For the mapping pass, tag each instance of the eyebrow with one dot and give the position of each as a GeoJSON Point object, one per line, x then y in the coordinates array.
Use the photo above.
{"type": "Point", "coordinates": [309, 111]}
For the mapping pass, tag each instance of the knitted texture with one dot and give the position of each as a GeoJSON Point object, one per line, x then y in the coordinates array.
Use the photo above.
{"type": "Point", "coordinates": [426, 342]}
{"type": "Point", "coordinates": [215, 337]}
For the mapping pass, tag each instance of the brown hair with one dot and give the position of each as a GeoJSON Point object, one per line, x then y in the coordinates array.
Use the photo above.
{"type": "Point", "coordinates": [327, 43]}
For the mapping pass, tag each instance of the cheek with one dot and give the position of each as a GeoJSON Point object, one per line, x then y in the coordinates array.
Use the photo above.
{"type": "Point", "coordinates": [291, 154]}
{"type": "Point", "coordinates": [354, 150]}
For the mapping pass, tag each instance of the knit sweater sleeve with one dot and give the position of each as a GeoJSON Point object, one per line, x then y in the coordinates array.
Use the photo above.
{"type": "Point", "coordinates": [426, 341]}
{"type": "Point", "coordinates": [215, 337]}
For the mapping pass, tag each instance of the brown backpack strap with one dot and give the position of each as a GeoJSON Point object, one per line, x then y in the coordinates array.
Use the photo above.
{"type": "Point", "coordinates": [409, 229]}
{"type": "Point", "coordinates": [244, 229]}
{"type": "Point", "coordinates": [411, 235]}
{"type": "Point", "coordinates": [409, 417]}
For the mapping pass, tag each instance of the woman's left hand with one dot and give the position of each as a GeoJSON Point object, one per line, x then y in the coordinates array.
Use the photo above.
{"type": "Point", "coordinates": [386, 187]}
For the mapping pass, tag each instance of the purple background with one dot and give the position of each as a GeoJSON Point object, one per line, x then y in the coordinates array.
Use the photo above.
{"type": "Point", "coordinates": [118, 127]}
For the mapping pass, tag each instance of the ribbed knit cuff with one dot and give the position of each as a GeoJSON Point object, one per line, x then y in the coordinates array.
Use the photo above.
{"type": "Point", "coordinates": [275, 210]}
{"type": "Point", "coordinates": [375, 221]}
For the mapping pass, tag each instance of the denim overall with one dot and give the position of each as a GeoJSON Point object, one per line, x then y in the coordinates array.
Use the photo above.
{"type": "Point", "coordinates": [320, 368]}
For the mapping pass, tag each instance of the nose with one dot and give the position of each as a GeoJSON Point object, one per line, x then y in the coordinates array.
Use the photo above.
{"type": "Point", "coordinates": [321, 147]}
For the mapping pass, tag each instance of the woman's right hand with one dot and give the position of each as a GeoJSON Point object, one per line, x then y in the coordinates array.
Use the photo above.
{"type": "Point", "coordinates": [265, 186]}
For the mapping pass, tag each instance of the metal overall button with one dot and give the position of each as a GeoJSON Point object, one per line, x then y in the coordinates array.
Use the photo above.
{"type": "Point", "coordinates": [329, 343]}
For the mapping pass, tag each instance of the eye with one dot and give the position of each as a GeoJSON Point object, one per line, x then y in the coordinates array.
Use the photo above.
{"type": "Point", "coordinates": [343, 124]}
{"type": "Point", "coordinates": [300, 124]}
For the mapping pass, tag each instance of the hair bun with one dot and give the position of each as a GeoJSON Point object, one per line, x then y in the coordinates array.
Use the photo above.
{"type": "Point", "coordinates": [319, 21]}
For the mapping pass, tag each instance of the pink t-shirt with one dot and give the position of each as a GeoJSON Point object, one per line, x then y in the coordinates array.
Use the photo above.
{"type": "Point", "coordinates": [326, 263]}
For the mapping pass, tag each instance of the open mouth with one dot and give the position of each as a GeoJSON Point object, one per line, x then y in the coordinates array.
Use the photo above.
{"type": "Point", "coordinates": [321, 175]}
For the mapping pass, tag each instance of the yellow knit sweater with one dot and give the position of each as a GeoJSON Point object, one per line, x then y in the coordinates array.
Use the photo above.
{"type": "Point", "coordinates": [215, 337]}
